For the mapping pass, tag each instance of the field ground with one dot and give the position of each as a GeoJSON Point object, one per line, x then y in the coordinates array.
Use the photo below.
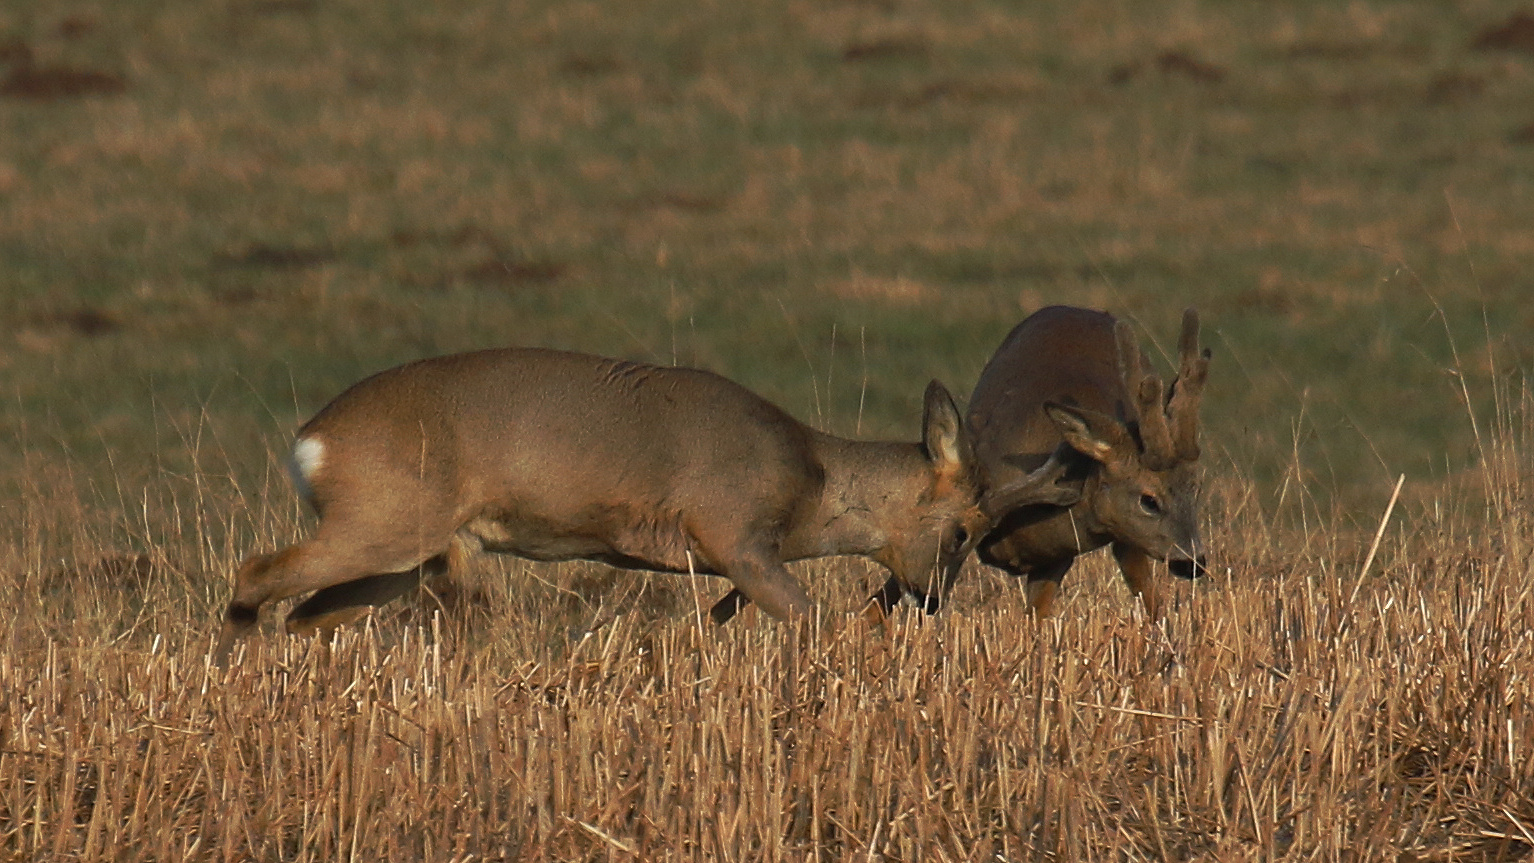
{"type": "Point", "coordinates": [213, 217]}
{"type": "Point", "coordinates": [1300, 706]}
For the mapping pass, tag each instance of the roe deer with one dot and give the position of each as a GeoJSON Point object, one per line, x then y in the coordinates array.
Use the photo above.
{"type": "Point", "coordinates": [552, 456]}
{"type": "Point", "coordinates": [1072, 380]}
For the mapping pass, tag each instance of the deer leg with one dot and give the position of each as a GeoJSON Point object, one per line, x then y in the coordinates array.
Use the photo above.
{"type": "Point", "coordinates": [342, 604]}
{"type": "Point", "coordinates": [887, 597]}
{"type": "Point", "coordinates": [725, 609]}
{"type": "Point", "coordinates": [1136, 568]}
{"type": "Point", "coordinates": [1044, 585]}
{"type": "Point", "coordinates": [317, 563]}
{"type": "Point", "coordinates": [761, 579]}
{"type": "Point", "coordinates": [894, 592]}
{"type": "Point", "coordinates": [738, 598]}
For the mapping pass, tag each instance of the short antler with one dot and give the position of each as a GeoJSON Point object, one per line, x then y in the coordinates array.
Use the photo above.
{"type": "Point", "coordinates": [1188, 389]}
{"type": "Point", "coordinates": [1040, 486]}
{"type": "Point", "coordinates": [1147, 392]}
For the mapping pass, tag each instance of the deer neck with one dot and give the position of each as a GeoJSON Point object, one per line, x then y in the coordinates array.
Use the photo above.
{"type": "Point", "coordinates": [1087, 526]}
{"type": "Point", "coordinates": [868, 485]}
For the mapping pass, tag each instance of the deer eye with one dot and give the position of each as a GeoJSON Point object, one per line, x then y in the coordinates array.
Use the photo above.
{"type": "Point", "coordinates": [1150, 504]}
{"type": "Point", "coordinates": [960, 536]}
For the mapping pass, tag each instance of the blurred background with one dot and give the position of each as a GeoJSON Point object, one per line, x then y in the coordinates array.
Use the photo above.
{"type": "Point", "coordinates": [215, 216]}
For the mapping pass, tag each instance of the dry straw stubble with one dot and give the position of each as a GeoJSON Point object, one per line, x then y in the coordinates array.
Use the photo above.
{"type": "Point", "coordinates": [1269, 719]}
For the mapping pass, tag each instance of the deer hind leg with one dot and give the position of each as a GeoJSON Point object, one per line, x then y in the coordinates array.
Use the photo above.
{"type": "Point", "coordinates": [325, 560]}
{"type": "Point", "coordinates": [1136, 568]}
{"type": "Point", "coordinates": [348, 602]}
{"type": "Point", "coordinates": [343, 604]}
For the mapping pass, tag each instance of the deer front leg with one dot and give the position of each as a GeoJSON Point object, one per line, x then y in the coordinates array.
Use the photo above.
{"type": "Point", "coordinates": [894, 592]}
{"type": "Point", "coordinates": [764, 580]}
{"type": "Point", "coordinates": [1044, 585]}
{"type": "Point", "coordinates": [1136, 568]}
{"type": "Point", "coordinates": [725, 609]}
{"type": "Point", "coordinates": [342, 604]}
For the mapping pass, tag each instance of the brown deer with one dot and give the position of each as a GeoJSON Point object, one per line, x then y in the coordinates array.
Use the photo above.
{"type": "Point", "coordinates": [552, 456]}
{"type": "Point", "coordinates": [1072, 381]}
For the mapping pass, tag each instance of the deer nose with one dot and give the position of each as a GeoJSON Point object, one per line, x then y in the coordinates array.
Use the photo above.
{"type": "Point", "coordinates": [1188, 567]}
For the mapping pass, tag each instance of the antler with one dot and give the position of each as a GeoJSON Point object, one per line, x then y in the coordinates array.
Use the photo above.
{"type": "Point", "coordinates": [1147, 392]}
{"type": "Point", "coordinates": [1040, 486]}
{"type": "Point", "coordinates": [1188, 389]}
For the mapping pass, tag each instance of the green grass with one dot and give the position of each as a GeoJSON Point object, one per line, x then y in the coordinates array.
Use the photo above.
{"type": "Point", "coordinates": [829, 202]}
{"type": "Point", "coordinates": [832, 202]}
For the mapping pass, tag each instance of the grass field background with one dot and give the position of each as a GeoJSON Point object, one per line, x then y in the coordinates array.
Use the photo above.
{"type": "Point", "coordinates": [214, 217]}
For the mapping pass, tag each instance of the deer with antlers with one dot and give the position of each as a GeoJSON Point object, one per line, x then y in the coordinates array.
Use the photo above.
{"type": "Point", "coordinates": [1072, 381]}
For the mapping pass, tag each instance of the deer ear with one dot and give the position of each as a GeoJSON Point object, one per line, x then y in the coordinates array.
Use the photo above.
{"type": "Point", "coordinates": [1095, 435]}
{"type": "Point", "coordinates": [942, 431]}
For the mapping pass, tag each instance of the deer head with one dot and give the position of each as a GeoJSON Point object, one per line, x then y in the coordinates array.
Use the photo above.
{"type": "Point", "coordinates": [1147, 490]}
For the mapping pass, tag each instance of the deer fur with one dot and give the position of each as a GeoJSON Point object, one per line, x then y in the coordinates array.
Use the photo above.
{"type": "Point", "coordinates": [1072, 382]}
{"type": "Point", "coordinates": [551, 456]}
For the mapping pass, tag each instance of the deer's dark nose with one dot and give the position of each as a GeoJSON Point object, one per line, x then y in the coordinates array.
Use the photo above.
{"type": "Point", "coordinates": [1188, 567]}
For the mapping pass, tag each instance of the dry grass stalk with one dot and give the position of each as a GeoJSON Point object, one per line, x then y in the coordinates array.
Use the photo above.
{"type": "Point", "coordinates": [1288, 710]}
{"type": "Point", "coordinates": [1253, 726]}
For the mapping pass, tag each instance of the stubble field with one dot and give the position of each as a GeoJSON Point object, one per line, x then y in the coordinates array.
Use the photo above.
{"type": "Point", "coordinates": [215, 217]}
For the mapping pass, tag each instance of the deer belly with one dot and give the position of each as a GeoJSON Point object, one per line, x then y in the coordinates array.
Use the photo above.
{"type": "Point", "coordinates": [650, 544]}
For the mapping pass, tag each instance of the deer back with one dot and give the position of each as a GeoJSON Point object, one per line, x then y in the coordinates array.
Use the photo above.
{"type": "Point", "coordinates": [573, 450]}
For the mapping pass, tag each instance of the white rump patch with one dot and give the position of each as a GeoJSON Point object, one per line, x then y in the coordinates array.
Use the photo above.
{"type": "Point", "coordinates": [308, 458]}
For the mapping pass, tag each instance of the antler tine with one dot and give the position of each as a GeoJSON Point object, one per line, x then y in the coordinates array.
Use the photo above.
{"type": "Point", "coordinates": [1147, 393]}
{"type": "Point", "coordinates": [1155, 434]}
{"type": "Point", "coordinates": [1188, 389]}
{"type": "Point", "coordinates": [1187, 343]}
{"type": "Point", "coordinates": [1040, 486]}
